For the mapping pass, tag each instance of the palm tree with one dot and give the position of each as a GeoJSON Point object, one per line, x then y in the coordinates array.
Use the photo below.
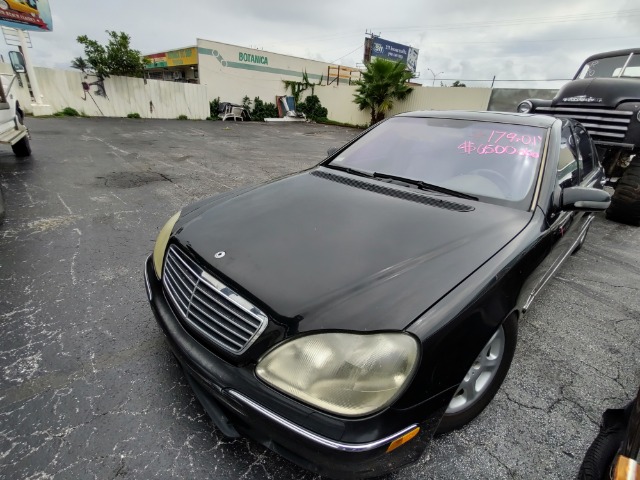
{"type": "Point", "coordinates": [381, 83]}
{"type": "Point", "coordinates": [80, 63]}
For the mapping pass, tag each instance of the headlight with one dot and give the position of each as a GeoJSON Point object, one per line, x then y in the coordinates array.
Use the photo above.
{"type": "Point", "coordinates": [343, 373]}
{"type": "Point", "coordinates": [161, 244]}
{"type": "Point", "coordinates": [524, 107]}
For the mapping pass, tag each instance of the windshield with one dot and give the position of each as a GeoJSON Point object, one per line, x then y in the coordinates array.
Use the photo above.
{"type": "Point", "coordinates": [611, 67]}
{"type": "Point", "coordinates": [492, 161]}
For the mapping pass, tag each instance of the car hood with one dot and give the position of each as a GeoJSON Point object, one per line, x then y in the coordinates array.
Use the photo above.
{"type": "Point", "coordinates": [609, 92]}
{"type": "Point", "coordinates": [323, 250]}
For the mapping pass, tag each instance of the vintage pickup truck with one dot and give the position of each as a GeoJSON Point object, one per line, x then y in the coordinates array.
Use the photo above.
{"type": "Point", "coordinates": [604, 96]}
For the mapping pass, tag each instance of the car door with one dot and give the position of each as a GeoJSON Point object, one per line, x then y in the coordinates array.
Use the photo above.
{"type": "Point", "coordinates": [565, 228]}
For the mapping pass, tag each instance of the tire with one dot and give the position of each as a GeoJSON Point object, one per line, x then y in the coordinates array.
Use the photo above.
{"type": "Point", "coordinates": [22, 148]}
{"type": "Point", "coordinates": [596, 464]}
{"type": "Point", "coordinates": [483, 379]}
{"type": "Point", "coordinates": [625, 202]}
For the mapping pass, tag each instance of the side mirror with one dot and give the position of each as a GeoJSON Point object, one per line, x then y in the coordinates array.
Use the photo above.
{"type": "Point", "coordinates": [17, 62]}
{"type": "Point", "coordinates": [331, 151]}
{"type": "Point", "coordinates": [585, 199]}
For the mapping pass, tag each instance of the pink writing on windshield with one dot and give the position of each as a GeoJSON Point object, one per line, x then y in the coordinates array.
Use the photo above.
{"type": "Point", "coordinates": [490, 149]}
{"type": "Point", "coordinates": [510, 137]}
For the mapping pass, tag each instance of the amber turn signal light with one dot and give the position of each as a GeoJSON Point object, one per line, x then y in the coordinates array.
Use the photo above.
{"type": "Point", "coordinates": [403, 439]}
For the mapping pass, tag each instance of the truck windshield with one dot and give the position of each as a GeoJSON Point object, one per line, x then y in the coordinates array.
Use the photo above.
{"type": "Point", "coordinates": [611, 67]}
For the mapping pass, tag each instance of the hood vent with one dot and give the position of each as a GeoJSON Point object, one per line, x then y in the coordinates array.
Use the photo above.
{"type": "Point", "coordinates": [394, 192]}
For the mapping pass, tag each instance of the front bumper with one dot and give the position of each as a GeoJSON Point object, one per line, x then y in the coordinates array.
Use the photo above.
{"type": "Point", "coordinates": [238, 403]}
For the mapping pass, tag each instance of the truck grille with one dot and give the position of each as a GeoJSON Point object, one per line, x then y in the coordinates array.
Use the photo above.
{"type": "Point", "coordinates": [603, 124]}
{"type": "Point", "coordinates": [207, 307]}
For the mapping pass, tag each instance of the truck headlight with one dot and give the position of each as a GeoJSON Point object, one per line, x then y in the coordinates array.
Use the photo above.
{"type": "Point", "coordinates": [524, 107]}
{"type": "Point", "coordinates": [343, 373]}
{"type": "Point", "coordinates": [161, 244]}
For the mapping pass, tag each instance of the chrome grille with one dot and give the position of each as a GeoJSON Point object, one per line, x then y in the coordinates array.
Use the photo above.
{"type": "Point", "coordinates": [207, 307]}
{"type": "Point", "coordinates": [603, 124]}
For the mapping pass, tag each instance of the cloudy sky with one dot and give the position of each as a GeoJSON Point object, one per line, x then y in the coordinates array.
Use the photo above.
{"type": "Point", "coordinates": [459, 39]}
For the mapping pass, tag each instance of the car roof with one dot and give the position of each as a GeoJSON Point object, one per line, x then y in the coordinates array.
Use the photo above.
{"type": "Point", "coordinates": [613, 53]}
{"type": "Point", "coordinates": [529, 119]}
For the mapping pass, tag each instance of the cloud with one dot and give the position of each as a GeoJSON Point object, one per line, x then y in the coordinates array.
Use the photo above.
{"type": "Point", "coordinates": [465, 39]}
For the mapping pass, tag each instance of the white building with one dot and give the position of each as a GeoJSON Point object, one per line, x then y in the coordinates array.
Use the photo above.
{"type": "Point", "coordinates": [232, 72]}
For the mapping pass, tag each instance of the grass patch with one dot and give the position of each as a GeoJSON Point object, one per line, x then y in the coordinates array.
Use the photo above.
{"type": "Point", "coordinates": [326, 121]}
{"type": "Point", "coordinates": [67, 112]}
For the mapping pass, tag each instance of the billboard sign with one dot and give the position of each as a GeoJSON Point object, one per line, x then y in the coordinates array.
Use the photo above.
{"type": "Point", "coordinates": [34, 15]}
{"type": "Point", "coordinates": [396, 52]}
{"type": "Point", "coordinates": [173, 58]}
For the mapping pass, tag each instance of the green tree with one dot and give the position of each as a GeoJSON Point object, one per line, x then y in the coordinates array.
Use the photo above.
{"type": "Point", "coordinates": [115, 58]}
{"type": "Point", "coordinates": [458, 83]}
{"type": "Point", "coordinates": [381, 83]}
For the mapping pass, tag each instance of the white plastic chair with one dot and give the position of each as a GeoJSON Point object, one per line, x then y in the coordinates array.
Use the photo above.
{"type": "Point", "coordinates": [232, 112]}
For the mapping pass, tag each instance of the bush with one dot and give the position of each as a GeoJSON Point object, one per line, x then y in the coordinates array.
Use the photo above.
{"type": "Point", "coordinates": [214, 106]}
{"type": "Point", "coordinates": [246, 103]}
{"type": "Point", "coordinates": [312, 108]}
{"type": "Point", "coordinates": [182, 117]}
{"type": "Point", "coordinates": [133, 115]}
{"type": "Point", "coordinates": [67, 112]}
{"type": "Point", "coordinates": [263, 110]}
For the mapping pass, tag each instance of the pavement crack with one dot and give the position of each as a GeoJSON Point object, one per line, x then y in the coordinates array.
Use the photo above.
{"type": "Point", "coordinates": [166, 177]}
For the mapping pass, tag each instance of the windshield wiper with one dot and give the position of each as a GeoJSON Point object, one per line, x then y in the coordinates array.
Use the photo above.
{"type": "Point", "coordinates": [354, 171]}
{"type": "Point", "coordinates": [424, 185]}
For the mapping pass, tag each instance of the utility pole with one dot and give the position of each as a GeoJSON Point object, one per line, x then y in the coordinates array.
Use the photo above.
{"type": "Point", "coordinates": [368, 41]}
{"type": "Point", "coordinates": [434, 76]}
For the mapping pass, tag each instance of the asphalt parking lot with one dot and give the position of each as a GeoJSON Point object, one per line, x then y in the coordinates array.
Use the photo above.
{"type": "Point", "coordinates": [89, 389]}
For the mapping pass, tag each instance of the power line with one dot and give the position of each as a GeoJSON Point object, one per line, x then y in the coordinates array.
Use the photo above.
{"type": "Point", "coordinates": [354, 50]}
{"type": "Point", "coordinates": [509, 80]}
{"type": "Point", "coordinates": [520, 21]}
{"type": "Point", "coordinates": [454, 26]}
{"type": "Point", "coordinates": [554, 40]}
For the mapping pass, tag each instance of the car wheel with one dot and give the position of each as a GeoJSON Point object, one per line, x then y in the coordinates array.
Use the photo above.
{"type": "Point", "coordinates": [22, 148]}
{"type": "Point", "coordinates": [483, 379]}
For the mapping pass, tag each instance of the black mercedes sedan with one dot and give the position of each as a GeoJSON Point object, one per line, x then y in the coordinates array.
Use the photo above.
{"type": "Point", "coordinates": [343, 315]}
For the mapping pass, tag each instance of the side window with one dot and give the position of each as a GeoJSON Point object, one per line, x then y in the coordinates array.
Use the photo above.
{"type": "Point", "coordinates": [568, 173]}
{"type": "Point", "coordinates": [587, 154]}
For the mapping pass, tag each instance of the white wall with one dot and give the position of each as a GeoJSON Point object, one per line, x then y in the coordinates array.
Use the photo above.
{"type": "Point", "coordinates": [63, 88]}
{"type": "Point", "coordinates": [339, 101]}
{"type": "Point", "coordinates": [230, 81]}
